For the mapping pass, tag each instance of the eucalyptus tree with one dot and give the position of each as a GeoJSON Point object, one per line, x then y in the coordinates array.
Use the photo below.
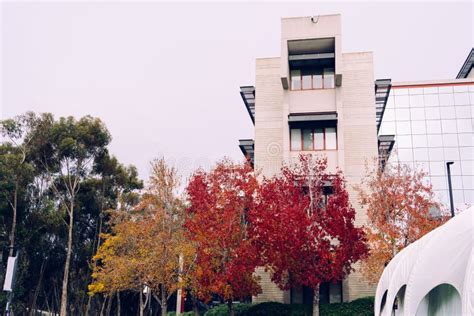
{"type": "Point", "coordinates": [15, 171]}
{"type": "Point", "coordinates": [65, 152]}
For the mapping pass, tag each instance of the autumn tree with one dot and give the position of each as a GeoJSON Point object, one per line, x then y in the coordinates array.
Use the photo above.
{"type": "Point", "coordinates": [304, 227]}
{"type": "Point", "coordinates": [401, 208]}
{"type": "Point", "coordinates": [145, 246]}
{"type": "Point", "coordinates": [217, 222]}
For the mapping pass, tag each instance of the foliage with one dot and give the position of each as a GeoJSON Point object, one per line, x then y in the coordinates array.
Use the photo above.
{"type": "Point", "coordinates": [306, 235]}
{"type": "Point", "coordinates": [278, 309]}
{"type": "Point", "coordinates": [146, 244]}
{"type": "Point", "coordinates": [360, 307]}
{"type": "Point", "coordinates": [399, 206]}
{"type": "Point", "coordinates": [226, 257]}
{"type": "Point", "coordinates": [222, 309]}
{"type": "Point", "coordinates": [47, 146]}
{"type": "Point", "coordinates": [183, 314]}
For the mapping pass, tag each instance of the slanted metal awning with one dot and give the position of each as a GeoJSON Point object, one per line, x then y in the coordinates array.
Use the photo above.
{"type": "Point", "coordinates": [385, 144]}
{"type": "Point", "coordinates": [312, 117]}
{"type": "Point", "coordinates": [382, 91]}
{"type": "Point", "coordinates": [248, 95]}
{"type": "Point", "coordinates": [467, 66]}
{"type": "Point", "coordinates": [247, 146]}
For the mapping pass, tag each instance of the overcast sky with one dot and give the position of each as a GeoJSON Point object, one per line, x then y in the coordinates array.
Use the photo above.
{"type": "Point", "coordinates": [165, 77]}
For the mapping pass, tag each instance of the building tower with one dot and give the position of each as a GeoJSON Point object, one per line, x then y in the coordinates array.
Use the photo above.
{"type": "Point", "coordinates": [315, 99]}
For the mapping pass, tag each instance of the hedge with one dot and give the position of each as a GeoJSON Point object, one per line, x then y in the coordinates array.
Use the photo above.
{"type": "Point", "coordinates": [221, 310]}
{"type": "Point", "coordinates": [359, 307]}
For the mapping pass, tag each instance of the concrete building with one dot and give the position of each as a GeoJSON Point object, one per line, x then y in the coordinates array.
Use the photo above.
{"type": "Point", "coordinates": [429, 123]}
{"type": "Point", "coordinates": [317, 99]}
{"type": "Point", "coordinates": [314, 99]}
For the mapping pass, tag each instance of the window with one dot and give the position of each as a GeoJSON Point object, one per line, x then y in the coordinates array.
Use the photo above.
{"type": "Point", "coordinates": [295, 139]}
{"type": "Point", "coordinates": [316, 78]}
{"type": "Point", "coordinates": [296, 80]}
{"type": "Point", "coordinates": [328, 78]}
{"type": "Point", "coordinates": [331, 140]}
{"type": "Point", "coordinates": [319, 139]}
{"type": "Point", "coordinates": [306, 78]}
{"type": "Point", "coordinates": [313, 139]}
{"type": "Point", "coordinates": [307, 139]}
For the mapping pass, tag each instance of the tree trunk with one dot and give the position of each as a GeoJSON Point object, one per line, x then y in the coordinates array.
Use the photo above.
{"type": "Point", "coordinates": [63, 311]}
{"type": "Point", "coordinates": [230, 308]}
{"type": "Point", "coordinates": [195, 305]}
{"type": "Point", "coordinates": [141, 302]}
{"type": "Point", "coordinates": [88, 306]}
{"type": "Point", "coordinates": [109, 305]}
{"type": "Point", "coordinates": [103, 306]}
{"type": "Point", "coordinates": [118, 303]}
{"type": "Point", "coordinates": [14, 210]}
{"type": "Point", "coordinates": [38, 287]}
{"type": "Point", "coordinates": [316, 301]}
{"type": "Point", "coordinates": [164, 303]}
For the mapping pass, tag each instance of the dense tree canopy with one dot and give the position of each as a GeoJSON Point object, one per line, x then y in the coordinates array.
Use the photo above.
{"type": "Point", "coordinates": [219, 201]}
{"type": "Point", "coordinates": [147, 246]}
{"type": "Point", "coordinates": [304, 227]}
{"type": "Point", "coordinates": [401, 208]}
{"type": "Point", "coordinates": [63, 178]}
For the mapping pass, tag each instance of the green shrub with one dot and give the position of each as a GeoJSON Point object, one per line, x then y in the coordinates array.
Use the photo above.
{"type": "Point", "coordinates": [221, 310]}
{"type": "Point", "coordinates": [278, 309]}
{"type": "Point", "coordinates": [183, 314]}
{"type": "Point", "coordinates": [360, 307]}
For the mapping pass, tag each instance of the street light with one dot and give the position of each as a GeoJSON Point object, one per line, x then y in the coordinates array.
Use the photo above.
{"type": "Point", "coordinates": [448, 164]}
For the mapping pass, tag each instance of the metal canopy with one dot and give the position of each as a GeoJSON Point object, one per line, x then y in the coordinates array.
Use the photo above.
{"type": "Point", "coordinates": [247, 146]}
{"type": "Point", "coordinates": [248, 95]}
{"type": "Point", "coordinates": [385, 144]}
{"type": "Point", "coordinates": [311, 117]}
{"type": "Point", "coordinates": [467, 66]}
{"type": "Point", "coordinates": [382, 91]}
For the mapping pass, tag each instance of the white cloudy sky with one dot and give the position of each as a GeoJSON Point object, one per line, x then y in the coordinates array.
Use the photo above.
{"type": "Point", "coordinates": [165, 77]}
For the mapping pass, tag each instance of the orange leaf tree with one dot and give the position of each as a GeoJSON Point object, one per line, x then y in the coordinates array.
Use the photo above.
{"type": "Point", "coordinates": [304, 227]}
{"type": "Point", "coordinates": [400, 207]}
{"type": "Point", "coordinates": [217, 222]}
{"type": "Point", "coordinates": [145, 246]}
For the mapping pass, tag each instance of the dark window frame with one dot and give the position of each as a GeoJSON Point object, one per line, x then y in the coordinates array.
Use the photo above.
{"type": "Point", "coordinates": [333, 86]}
{"type": "Point", "coordinates": [313, 139]}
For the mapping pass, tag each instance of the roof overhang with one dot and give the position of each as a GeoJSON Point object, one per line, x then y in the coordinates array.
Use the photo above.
{"type": "Point", "coordinates": [385, 146]}
{"type": "Point", "coordinates": [248, 96]}
{"type": "Point", "coordinates": [312, 117]}
{"type": "Point", "coordinates": [247, 146]}
{"type": "Point", "coordinates": [467, 66]}
{"type": "Point", "coordinates": [382, 91]}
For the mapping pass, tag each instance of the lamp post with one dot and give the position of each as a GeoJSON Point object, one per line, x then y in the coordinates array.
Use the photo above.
{"type": "Point", "coordinates": [450, 187]}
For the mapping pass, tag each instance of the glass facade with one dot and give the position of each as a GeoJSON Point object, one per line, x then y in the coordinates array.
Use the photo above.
{"type": "Point", "coordinates": [433, 125]}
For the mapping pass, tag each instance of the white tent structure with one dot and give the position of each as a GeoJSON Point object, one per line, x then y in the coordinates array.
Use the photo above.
{"type": "Point", "coordinates": [432, 276]}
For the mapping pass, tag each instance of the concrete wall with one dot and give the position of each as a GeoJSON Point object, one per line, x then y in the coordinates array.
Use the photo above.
{"type": "Point", "coordinates": [359, 136]}
{"type": "Point", "coordinates": [305, 101]}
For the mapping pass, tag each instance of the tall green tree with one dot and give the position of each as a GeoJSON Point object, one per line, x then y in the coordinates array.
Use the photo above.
{"type": "Point", "coordinates": [65, 152]}
{"type": "Point", "coordinates": [64, 179]}
{"type": "Point", "coordinates": [15, 171]}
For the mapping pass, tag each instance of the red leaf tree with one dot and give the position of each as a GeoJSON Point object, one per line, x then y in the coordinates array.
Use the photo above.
{"type": "Point", "coordinates": [303, 225]}
{"type": "Point", "coordinates": [217, 224]}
